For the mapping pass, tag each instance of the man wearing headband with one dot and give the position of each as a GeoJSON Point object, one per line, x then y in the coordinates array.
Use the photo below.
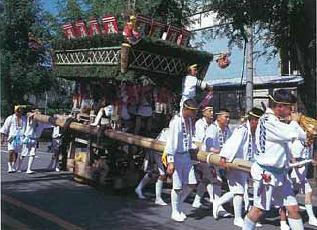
{"type": "Point", "coordinates": [14, 127]}
{"type": "Point", "coordinates": [216, 135]}
{"type": "Point", "coordinates": [191, 82]}
{"type": "Point", "coordinates": [178, 147]}
{"type": "Point", "coordinates": [240, 145]}
{"type": "Point", "coordinates": [32, 133]}
{"type": "Point", "coordinates": [203, 169]}
{"type": "Point", "coordinates": [269, 171]}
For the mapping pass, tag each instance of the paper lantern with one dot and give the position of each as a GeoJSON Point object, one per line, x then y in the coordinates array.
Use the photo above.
{"type": "Point", "coordinates": [81, 29]}
{"type": "Point", "coordinates": [172, 33]}
{"type": "Point", "coordinates": [157, 29]}
{"type": "Point", "coordinates": [93, 28]}
{"type": "Point", "coordinates": [69, 31]}
{"type": "Point", "coordinates": [110, 25]}
{"type": "Point", "coordinates": [143, 25]}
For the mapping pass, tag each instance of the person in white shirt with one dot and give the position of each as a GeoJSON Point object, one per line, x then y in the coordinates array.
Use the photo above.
{"type": "Point", "coordinates": [240, 145]}
{"type": "Point", "coordinates": [190, 83]}
{"type": "Point", "coordinates": [303, 151]}
{"type": "Point", "coordinates": [222, 133]}
{"type": "Point", "coordinates": [203, 169]}
{"type": "Point", "coordinates": [269, 171]}
{"type": "Point", "coordinates": [30, 138]}
{"type": "Point", "coordinates": [14, 128]}
{"type": "Point", "coordinates": [178, 149]}
{"type": "Point", "coordinates": [153, 159]}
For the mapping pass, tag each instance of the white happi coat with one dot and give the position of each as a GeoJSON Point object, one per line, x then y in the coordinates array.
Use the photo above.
{"type": "Point", "coordinates": [14, 132]}
{"type": "Point", "coordinates": [178, 144]}
{"type": "Point", "coordinates": [201, 126]}
{"type": "Point", "coordinates": [189, 87]}
{"type": "Point", "coordinates": [32, 133]}
{"type": "Point", "coordinates": [240, 145]}
{"type": "Point", "coordinates": [272, 140]}
{"type": "Point", "coordinates": [223, 136]}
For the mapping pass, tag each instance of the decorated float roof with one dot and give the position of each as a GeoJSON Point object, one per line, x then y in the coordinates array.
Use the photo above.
{"type": "Point", "coordinates": [100, 56]}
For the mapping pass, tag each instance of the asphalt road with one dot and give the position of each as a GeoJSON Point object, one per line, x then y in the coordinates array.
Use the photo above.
{"type": "Point", "coordinates": [53, 200]}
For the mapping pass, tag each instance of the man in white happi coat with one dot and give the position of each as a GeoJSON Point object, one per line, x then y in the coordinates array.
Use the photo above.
{"type": "Point", "coordinates": [14, 127]}
{"type": "Point", "coordinates": [153, 159]}
{"type": "Point", "coordinates": [240, 145]}
{"type": "Point", "coordinates": [269, 171]}
{"type": "Point", "coordinates": [190, 83]}
{"type": "Point", "coordinates": [216, 135]}
{"type": "Point", "coordinates": [302, 151]}
{"type": "Point", "coordinates": [178, 149]}
{"type": "Point", "coordinates": [30, 138]}
{"type": "Point", "coordinates": [204, 170]}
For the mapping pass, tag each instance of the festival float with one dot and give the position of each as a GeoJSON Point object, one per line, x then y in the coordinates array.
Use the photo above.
{"type": "Point", "coordinates": [115, 72]}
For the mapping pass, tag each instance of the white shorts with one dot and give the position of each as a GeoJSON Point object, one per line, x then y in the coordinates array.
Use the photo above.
{"type": "Point", "coordinates": [29, 149]}
{"type": "Point", "coordinates": [184, 173]}
{"type": "Point", "coordinates": [299, 179]}
{"type": "Point", "coordinates": [237, 181]}
{"type": "Point", "coordinates": [278, 194]}
{"type": "Point", "coordinates": [15, 148]}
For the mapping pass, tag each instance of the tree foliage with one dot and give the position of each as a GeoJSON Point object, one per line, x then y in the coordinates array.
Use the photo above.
{"type": "Point", "coordinates": [286, 25]}
{"type": "Point", "coordinates": [22, 68]}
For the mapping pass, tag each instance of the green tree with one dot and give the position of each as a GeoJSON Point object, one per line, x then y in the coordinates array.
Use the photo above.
{"type": "Point", "coordinates": [287, 25]}
{"type": "Point", "coordinates": [22, 70]}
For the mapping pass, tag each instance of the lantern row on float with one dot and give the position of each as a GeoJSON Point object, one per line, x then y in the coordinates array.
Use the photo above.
{"type": "Point", "coordinates": [145, 26]}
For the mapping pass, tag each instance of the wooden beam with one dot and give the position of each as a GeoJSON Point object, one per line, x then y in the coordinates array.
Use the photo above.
{"type": "Point", "coordinates": [144, 142]}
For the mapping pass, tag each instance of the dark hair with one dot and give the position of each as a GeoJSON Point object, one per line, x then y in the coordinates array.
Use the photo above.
{"type": "Point", "coordinates": [256, 111]}
{"type": "Point", "coordinates": [190, 103]}
{"type": "Point", "coordinates": [283, 95]}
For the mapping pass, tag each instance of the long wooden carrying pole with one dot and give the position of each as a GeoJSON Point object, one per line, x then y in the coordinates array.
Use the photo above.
{"type": "Point", "coordinates": [141, 141]}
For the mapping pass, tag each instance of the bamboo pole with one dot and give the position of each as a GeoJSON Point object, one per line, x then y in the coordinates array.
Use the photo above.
{"type": "Point", "coordinates": [141, 141]}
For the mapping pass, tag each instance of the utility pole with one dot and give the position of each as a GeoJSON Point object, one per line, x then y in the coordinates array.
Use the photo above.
{"type": "Point", "coordinates": [249, 74]}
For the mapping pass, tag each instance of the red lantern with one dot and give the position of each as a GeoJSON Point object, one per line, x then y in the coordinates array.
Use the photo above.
{"type": "Point", "coordinates": [223, 61]}
{"type": "Point", "coordinates": [143, 24]}
{"type": "Point", "coordinates": [157, 29]}
{"type": "Point", "coordinates": [110, 25]}
{"type": "Point", "coordinates": [93, 27]}
{"type": "Point", "coordinates": [69, 31]}
{"type": "Point", "coordinates": [81, 30]}
{"type": "Point", "coordinates": [172, 33]}
{"type": "Point", "coordinates": [184, 37]}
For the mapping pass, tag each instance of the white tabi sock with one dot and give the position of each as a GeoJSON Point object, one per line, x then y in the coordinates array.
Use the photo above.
{"type": "Point", "coordinates": [146, 179]}
{"type": "Point", "coordinates": [310, 212]}
{"type": "Point", "coordinates": [9, 167]}
{"type": "Point", "coordinates": [237, 206]}
{"type": "Point", "coordinates": [210, 190]}
{"type": "Point", "coordinates": [20, 161]}
{"type": "Point", "coordinates": [158, 189]}
{"type": "Point", "coordinates": [246, 197]}
{"type": "Point", "coordinates": [30, 162]}
{"type": "Point", "coordinates": [248, 224]}
{"type": "Point", "coordinates": [296, 224]}
{"type": "Point", "coordinates": [228, 196]}
{"type": "Point", "coordinates": [175, 200]}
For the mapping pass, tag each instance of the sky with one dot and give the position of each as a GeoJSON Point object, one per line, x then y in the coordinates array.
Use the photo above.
{"type": "Point", "coordinates": [261, 66]}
